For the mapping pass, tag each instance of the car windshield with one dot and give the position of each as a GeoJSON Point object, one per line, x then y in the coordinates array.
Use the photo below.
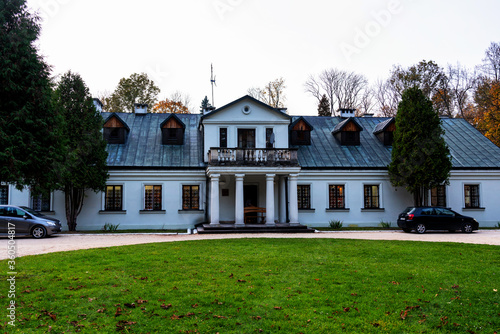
{"type": "Point", "coordinates": [31, 211]}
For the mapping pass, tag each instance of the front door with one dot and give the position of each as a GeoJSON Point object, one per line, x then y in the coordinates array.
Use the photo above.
{"type": "Point", "coordinates": [250, 195]}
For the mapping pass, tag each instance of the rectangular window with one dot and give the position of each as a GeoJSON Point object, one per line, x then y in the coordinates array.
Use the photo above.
{"type": "Point", "coordinates": [371, 195]}
{"type": "Point", "coordinates": [471, 194]}
{"type": "Point", "coordinates": [41, 202]}
{"type": "Point", "coordinates": [337, 196]}
{"type": "Point", "coordinates": [114, 198]}
{"type": "Point", "coordinates": [246, 138]}
{"type": "Point", "coordinates": [190, 197]}
{"type": "Point", "coordinates": [152, 197]}
{"type": "Point", "coordinates": [4, 195]}
{"type": "Point", "coordinates": [269, 138]}
{"type": "Point", "coordinates": [223, 137]}
{"type": "Point", "coordinates": [438, 196]}
{"type": "Point", "coordinates": [304, 196]}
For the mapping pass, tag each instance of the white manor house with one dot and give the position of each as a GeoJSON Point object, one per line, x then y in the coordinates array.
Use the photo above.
{"type": "Point", "coordinates": [247, 163]}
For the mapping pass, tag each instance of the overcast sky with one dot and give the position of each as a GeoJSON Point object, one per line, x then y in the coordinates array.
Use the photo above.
{"type": "Point", "coordinates": [252, 42]}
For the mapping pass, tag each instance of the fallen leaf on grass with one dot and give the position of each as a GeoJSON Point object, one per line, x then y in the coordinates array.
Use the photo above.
{"type": "Point", "coordinates": [166, 307]}
{"type": "Point", "coordinates": [50, 314]}
{"type": "Point", "coordinates": [130, 305]}
{"type": "Point", "coordinates": [122, 323]}
{"type": "Point", "coordinates": [118, 312]}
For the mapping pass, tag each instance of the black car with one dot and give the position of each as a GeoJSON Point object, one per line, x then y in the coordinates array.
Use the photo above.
{"type": "Point", "coordinates": [426, 218]}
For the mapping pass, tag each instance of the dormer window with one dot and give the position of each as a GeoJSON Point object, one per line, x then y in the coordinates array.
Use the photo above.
{"type": "Point", "coordinates": [347, 132]}
{"type": "Point", "coordinates": [172, 131]}
{"type": "Point", "coordinates": [115, 130]}
{"type": "Point", "coordinates": [300, 132]}
{"type": "Point", "coordinates": [385, 131]}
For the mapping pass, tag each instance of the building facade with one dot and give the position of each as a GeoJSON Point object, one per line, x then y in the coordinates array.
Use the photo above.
{"type": "Point", "coordinates": [247, 162]}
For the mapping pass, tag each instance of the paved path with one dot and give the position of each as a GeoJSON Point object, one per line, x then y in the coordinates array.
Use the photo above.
{"type": "Point", "coordinates": [67, 242]}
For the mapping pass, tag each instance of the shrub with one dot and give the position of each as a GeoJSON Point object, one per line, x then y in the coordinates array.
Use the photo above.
{"type": "Point", "coordinates": [336, 224]}
{"type": "Point", "coordinates": [385, 224]}
{"type": "Point", "coordinates": [110, 227]}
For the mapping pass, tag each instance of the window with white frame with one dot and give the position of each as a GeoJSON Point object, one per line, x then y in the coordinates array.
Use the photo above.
{"type": "Point", "coordinates": [113, 200]}
{"type": "Point", "coordinates": [190, 197]}
{"type": "Point", "coordinates": [336, 194]}
{"type": "Point", "coordinates": [372, 196]}
{"type": "Point", "coordinates": [471, 196]}
{"type": "Point", "coordinates": [438, 196]}
{"type": "Point", "coordinates": [304, 196]}
{"type": "Point", "coordinates": [41, 202]}
{"type": "Point", "coordinates": [152, 197]}
{"type": "Point", "coordinates": [4, 194]}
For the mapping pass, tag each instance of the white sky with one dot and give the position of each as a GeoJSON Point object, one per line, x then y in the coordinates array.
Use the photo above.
{"type": "Point", "coordinates": [252, 42]}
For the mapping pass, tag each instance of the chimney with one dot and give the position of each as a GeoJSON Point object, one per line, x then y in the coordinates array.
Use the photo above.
{"type": "Point", "coordinates": [346, 113]}
{"type": "Point", "coordinates": [140, 108]}
{"type": "Point", "coordinates": [98, 104]}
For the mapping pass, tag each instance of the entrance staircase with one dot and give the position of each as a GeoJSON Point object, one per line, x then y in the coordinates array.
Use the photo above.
{"type": "Point", "coordinates": [252, 228]}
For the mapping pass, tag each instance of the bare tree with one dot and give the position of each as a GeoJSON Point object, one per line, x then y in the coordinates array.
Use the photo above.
{"type": "Point", "coordinates": [343, 89]}
{"type": "Point", "coordinates": [387, 98]}
{"type": "Point", "coordinates": [104, 96]}
{"type": "Point", "coordinates": [461, 82]}
{"type": "Point", "coordinates": [183, 99]}
{"type": "Point", "coordinates": [272, 94]}
{"type": "Point", "coordinates": [491, 62]}
{"type": "Point", "coordinates": [367, 102]}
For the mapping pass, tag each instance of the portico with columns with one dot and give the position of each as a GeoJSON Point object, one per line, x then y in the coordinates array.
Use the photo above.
{"type": "Point", "coordinates": [233, 190]}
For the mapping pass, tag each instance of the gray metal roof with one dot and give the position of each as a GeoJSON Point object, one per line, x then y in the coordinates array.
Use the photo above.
{"type": "Point", "coordinates": [468, 147]}
{"type": "Point", "coordinates": [144, 149]}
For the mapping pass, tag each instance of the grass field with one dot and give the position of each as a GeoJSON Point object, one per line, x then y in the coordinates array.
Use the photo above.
{"type": "Point", "coordinates": [260, 286]}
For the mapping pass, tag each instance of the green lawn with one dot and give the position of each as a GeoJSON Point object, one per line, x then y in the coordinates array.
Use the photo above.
{"type": "Point", "coordinates": [261, 285]}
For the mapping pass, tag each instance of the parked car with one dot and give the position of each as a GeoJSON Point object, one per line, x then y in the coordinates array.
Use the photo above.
{"type": "Point", "coordinates": [426, 218]}
{"type": "Point", "coordinates": [24, 220]}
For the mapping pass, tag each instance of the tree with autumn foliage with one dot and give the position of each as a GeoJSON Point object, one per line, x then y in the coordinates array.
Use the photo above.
{"type": "Point", "coordinates": [487, 118]}
{"type": "Point", "coordinates": [138, 88]}
{"type": "Point", "coordinates": [168, 106]}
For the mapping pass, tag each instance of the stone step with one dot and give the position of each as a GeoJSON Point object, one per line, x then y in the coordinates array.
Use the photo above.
{"type": "Point", "coordinates": [253, 228]}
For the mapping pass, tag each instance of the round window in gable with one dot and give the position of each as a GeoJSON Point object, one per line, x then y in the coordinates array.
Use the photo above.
{"type": "Point", "coordinates": [246, 110]}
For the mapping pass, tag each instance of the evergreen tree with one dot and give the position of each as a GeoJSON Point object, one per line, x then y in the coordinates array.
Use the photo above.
{"type": "Point", "coordinates": [85, 149]}
{"type": "Point", "coordinates": [420, 158]}
{"type": "Point", "coordinates": [324, 107]}
{"type": "Point", "coordinates": [29, 125]}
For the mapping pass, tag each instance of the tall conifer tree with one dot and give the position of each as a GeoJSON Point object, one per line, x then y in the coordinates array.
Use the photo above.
{"type": "Point", "coordinates": [29, 139]}
{"type": "Point", "coordinates": [85, 149]}
{"type": "Point", "coordinates": [420, 158]}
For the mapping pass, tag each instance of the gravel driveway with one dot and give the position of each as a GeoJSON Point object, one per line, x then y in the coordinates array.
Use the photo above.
{"type": "Point", "coordinates": [69, 242]}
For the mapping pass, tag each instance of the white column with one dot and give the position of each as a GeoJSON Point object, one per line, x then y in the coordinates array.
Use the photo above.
{"type": "Point", "coordinates": [270, 199]}
{"type": "Point", "coordinates": [239, 205]}
{"type": "Point", "coordinates": [214, 199]}
{"type": "Point", "coordinates": [293, 210]}
{"type": "Point", "coordinates": [283, 199]}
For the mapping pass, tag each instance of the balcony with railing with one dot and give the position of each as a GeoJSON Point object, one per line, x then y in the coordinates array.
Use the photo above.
{"type": "Point", "coordinates": [221, 156]}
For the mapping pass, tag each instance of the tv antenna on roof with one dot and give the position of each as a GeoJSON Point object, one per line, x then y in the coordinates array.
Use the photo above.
{"type": "Point", "coordinates": [212, 82]}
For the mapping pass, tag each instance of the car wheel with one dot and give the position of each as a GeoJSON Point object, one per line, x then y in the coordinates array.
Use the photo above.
{"type": "Point", "coordinates": [38, 232]}
{"type": "Point", "coordinates": [467, 228]}
{"type": "Point", "coordinates": [421, 228]}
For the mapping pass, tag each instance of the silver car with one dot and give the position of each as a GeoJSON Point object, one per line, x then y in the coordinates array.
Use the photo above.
{"type": "Point", "coordinates": [23, 220]}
